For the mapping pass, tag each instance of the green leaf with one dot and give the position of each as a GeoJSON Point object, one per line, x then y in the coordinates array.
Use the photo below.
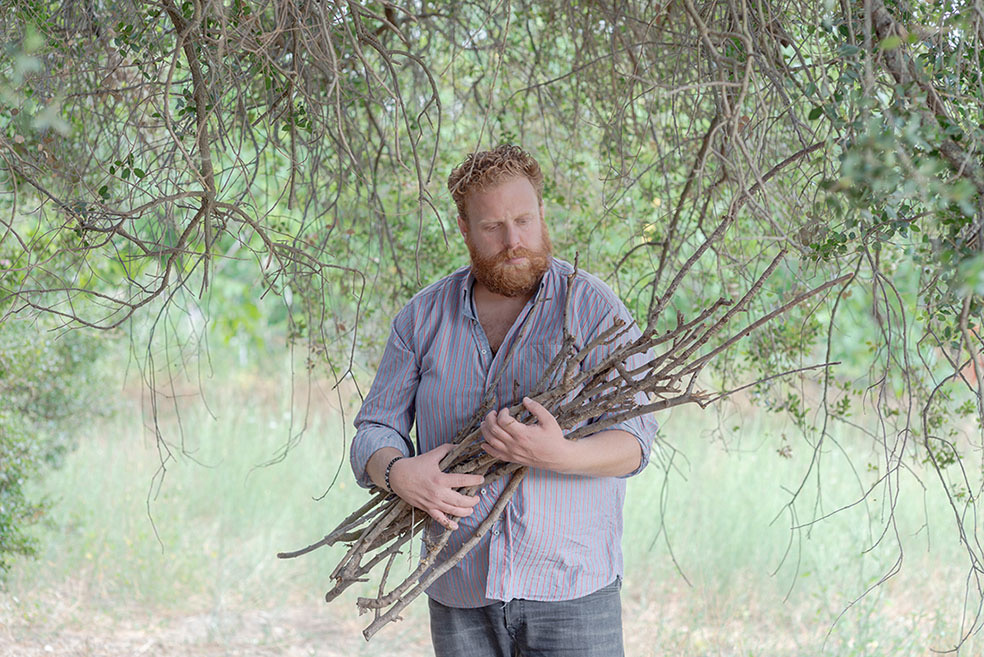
{"type": "Point", "coordinates": [815, 113]}
{"type": "Point", "coordinates": [139, 172]}
{"type": "Point", "coordinates": [890, 43]}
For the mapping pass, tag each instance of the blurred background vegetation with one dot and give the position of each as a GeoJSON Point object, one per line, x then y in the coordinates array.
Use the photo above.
{"type": "Point", "coordinates": [209, 212]}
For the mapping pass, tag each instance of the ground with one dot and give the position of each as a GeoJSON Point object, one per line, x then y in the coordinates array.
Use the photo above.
{"type": "Point", "coordinates": [62, 624]}
{"type": "Point", "coordinates": [67, 622]}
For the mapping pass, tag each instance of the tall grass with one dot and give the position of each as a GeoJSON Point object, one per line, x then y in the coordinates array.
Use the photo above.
{"type": "Point", "coordinates": [776, 574]}
{"type": "Point", "coordinates": [713, 567]}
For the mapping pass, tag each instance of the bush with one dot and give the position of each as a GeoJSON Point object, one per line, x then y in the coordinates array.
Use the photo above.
{"type": "Point", "coordinates": [48, 386]}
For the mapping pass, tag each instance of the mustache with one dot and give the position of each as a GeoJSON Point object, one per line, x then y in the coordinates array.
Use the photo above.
{"type": "Point", "coordinates": [509, 254]}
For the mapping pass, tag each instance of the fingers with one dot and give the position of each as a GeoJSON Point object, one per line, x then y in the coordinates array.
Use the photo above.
{"type": "Point", "coordinates": [539, 411]}
{"type": "Point", "coordinates": [509, 452]}
{"type": "Point", "coordinates": [442, 519]}
{"type": "Point", "coordinates": [511, 425]}
{"type": "Point", "coordinates": [536, 408]}
{"type": "Point", "coordinates": [446, 512]}
{"type": "Point", "coordinates": [464, 480]}
{"type": "Point", "coordinates": [459, 507]}
{"type": "Point", "coordinates": [456, 501]}
{"type": "Point", "coordinates": [492, 451]}
{"type": "Point", "coordinates": [503, 436]}
{"type": "Point", "coordinates": [501, 426]}
{"type": "Point", "coordinates": [457, 511]}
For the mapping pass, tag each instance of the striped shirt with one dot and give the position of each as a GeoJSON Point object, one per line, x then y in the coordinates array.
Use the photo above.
{"type": "Point", "coordinates": [559, 537]}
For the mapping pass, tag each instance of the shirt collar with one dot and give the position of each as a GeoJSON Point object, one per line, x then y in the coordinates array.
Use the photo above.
{"type": "Point", "coordinates": [467, 304]}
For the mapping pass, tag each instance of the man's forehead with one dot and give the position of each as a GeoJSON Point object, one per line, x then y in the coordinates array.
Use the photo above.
{"type": "Point", "coordinates": [506, 184]}
{"type": "Point", "coordinates": [514, 192]}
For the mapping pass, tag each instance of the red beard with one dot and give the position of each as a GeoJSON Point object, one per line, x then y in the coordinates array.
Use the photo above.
{"type": "Point", "coordinates": [511, 280]}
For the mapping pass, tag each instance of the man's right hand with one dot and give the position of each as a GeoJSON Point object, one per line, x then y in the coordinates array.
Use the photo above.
{"type": "Point", "coordinates": [419, 481]}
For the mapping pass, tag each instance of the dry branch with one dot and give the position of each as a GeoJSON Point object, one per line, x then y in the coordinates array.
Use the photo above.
{"type": "Point", "coordinates": [378, 530]}
{"type": "Point", "coordinates": [688, 101]}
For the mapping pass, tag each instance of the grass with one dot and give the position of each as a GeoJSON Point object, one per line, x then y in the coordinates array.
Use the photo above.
{"type": "Point", "coordinates": [812, 590]}
{"type": "Point", "coordinates": [712, 565]}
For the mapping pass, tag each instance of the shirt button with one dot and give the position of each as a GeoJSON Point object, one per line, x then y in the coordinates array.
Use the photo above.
{"type": "Point", "coordinates": [482, 491]}
{"type": "Point", "coordinates": [495, 532]}
{"type": "Point", "coordinates": [483, 352]}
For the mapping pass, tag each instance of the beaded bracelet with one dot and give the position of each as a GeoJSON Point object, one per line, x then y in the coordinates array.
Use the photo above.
{"type": "Point", "coordinates": [389, 468]}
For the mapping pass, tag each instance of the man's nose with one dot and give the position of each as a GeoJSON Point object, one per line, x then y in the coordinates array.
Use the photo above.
{"type": "Point", "coordinates": [512, 237]}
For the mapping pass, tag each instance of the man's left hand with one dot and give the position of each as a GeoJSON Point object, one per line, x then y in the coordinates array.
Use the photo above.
{"type": "Point", "coordinates": [541, 445]}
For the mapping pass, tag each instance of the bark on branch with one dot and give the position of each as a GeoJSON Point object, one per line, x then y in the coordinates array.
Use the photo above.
{"type": "Point", "coordinates": [379, 529]}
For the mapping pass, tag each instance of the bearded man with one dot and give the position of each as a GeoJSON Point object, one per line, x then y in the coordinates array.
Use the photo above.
{"type": "Point", "coordinates": [545, 580]}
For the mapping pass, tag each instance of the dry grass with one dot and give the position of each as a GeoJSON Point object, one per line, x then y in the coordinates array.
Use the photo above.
{"type": "Point", "coordinates": [664, 619]}
{"type": "Point", "coordinates": [104, 586]}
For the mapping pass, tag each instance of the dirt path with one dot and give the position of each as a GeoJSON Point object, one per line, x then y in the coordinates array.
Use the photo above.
{"type": "Point", "coordinates": [68, 620]}
{"type": "Point", "coordinates": [57, 626]}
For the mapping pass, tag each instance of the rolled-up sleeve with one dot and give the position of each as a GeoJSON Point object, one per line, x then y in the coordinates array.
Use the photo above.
{"type": "Point", "coordinates": [643, 427]}
{"type": "Point", "coordinates": [387, 413]}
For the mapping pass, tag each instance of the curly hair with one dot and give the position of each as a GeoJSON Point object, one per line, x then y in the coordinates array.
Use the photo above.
{"type": "Point", "coordinates": [484, 169]}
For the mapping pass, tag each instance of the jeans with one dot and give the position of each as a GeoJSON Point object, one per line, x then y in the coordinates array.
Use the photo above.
{"type": "Point", "coordinates": [585, 627]}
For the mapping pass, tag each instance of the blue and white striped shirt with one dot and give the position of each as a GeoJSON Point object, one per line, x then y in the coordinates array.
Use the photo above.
{"type": "Point", "coordinates": [559, 537]}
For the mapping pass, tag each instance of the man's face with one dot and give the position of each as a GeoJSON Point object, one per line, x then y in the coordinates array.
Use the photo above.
{"type": "Point", "coordinates": [506, 237]}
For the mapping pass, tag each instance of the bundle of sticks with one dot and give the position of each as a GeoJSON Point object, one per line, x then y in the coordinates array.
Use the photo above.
{"type": "Point", "coordinates": [379, 530]}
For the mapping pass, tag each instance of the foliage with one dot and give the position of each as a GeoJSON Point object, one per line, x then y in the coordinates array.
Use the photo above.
{"type": "Point", "coordinates": [220, 526]}
{"type": "Point", "coordinates": [48, 388]}
{"type": "Point", "coordinates": [297, 149]}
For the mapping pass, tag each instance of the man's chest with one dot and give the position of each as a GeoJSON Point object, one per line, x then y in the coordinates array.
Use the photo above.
{"type": "Point", "coordinates": [497, 320]}
{"type": "Point", "coordinates": [496, 327]}
{"type": "Point", "coordinates": [458, 369]}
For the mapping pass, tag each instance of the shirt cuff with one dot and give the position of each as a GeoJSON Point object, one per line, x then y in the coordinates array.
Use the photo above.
{"type": "Point", "coordinates": [644, 429]}
{"type": "Point", "coordinates": [369, 439]}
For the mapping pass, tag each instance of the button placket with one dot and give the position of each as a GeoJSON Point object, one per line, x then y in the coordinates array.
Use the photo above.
{"type": "Point", "coordinates": [482, 344]}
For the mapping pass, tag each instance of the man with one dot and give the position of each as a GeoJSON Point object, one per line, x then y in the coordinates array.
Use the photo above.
{"type": "Point", "coordinates": [545, 580]}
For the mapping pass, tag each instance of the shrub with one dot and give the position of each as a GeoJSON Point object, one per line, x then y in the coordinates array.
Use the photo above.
{"type": "Point", "coordinates": [49, 386]}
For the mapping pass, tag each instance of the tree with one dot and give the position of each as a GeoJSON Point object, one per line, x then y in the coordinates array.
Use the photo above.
{"type": "Point", "coordinates": [302, 142]}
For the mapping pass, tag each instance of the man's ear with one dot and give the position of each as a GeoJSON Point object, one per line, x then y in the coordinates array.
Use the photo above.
{"type": "Point", "coordinates": [542, 213]}
{"type": "Point", "coordinates": [463, 226]}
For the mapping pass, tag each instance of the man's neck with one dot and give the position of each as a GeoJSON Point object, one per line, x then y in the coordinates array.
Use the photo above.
{"type": "Point", "coordinates": [487, 299]}
{"type": "Point", "coordinates": [497, 313]}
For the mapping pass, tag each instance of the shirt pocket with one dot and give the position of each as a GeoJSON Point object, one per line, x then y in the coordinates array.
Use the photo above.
{"type": "Point", "coordinates": [526, 369]}
{"type": "Point", "coordinates": [545, 352]}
